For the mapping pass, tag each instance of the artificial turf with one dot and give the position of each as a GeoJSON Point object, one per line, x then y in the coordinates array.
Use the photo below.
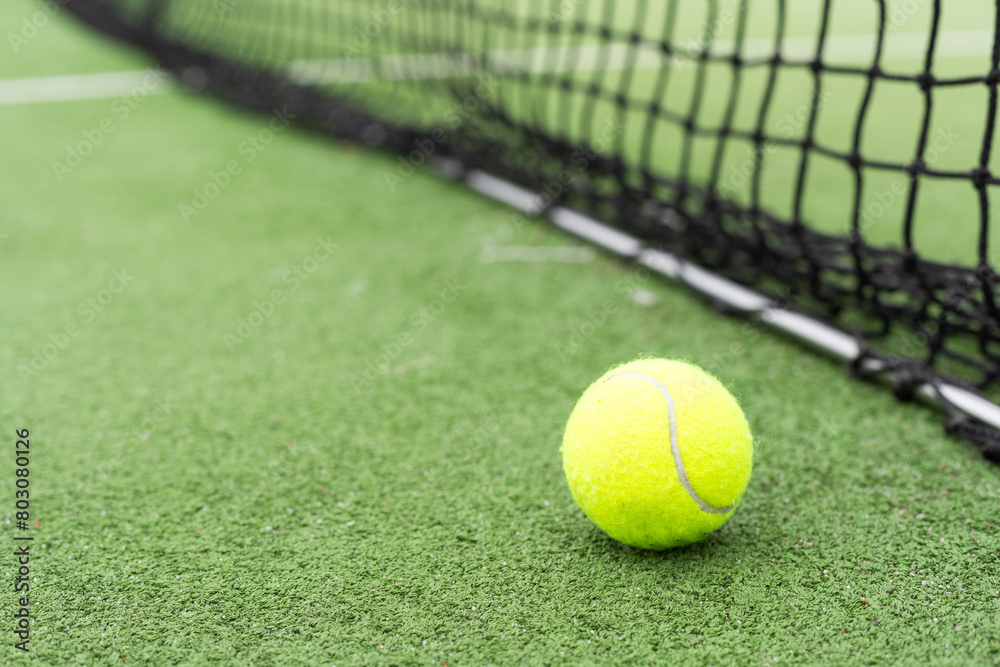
{"type": "Point", "coordinates": [371, 475]}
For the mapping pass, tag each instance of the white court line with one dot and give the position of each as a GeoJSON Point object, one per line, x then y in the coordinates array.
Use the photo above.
{"type": "Point", "coordinates": [861, 47]}
{"type": "Point", "coordinates": [841, 49]}
{"type": "Point", "coordinates": [81, 86]}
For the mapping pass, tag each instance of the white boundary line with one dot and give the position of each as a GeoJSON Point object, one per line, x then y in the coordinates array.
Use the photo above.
{"type": "Point", "coordinates": [72, 87]}
{"type": "Point", "coordinates": [839, 49]}
{"type": "Point", "coordinates": [833, 342]}
{"type": "Point", "coordinates": [617, 56]}
{"type": "Point", "coordinates": [610, 56]}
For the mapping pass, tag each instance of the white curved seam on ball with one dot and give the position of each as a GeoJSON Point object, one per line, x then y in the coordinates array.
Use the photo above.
{"type": "Point", "coordinates": [675, 449]}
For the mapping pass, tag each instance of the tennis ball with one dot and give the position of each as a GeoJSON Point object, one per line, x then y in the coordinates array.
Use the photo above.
{"type": "Point", "coordinates": [657, 453]}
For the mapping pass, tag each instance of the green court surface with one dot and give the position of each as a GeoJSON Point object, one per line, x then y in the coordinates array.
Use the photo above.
{"type": "Point", "coordinates": [281, 414]}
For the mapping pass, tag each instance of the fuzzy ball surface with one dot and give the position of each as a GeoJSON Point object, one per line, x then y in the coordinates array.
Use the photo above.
{"type": "Point", "coordinates": [657, 453]}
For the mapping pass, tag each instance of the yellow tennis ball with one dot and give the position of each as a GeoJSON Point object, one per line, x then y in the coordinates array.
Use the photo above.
{"type": "Point", "coordinates": [657, 453]}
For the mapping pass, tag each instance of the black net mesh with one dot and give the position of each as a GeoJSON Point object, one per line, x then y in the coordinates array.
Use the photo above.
{"type": "Point", "coordinates": [835, 155]}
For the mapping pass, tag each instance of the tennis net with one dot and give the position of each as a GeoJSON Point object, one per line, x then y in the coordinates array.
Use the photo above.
{"type": "Point", "coordinates": [834, 155]}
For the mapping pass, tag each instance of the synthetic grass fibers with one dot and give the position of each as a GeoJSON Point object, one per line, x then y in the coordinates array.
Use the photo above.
{"type": "Point", "coordinates": [272, 502]}
{"type": "Point", "coordinates": [657, 453]}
